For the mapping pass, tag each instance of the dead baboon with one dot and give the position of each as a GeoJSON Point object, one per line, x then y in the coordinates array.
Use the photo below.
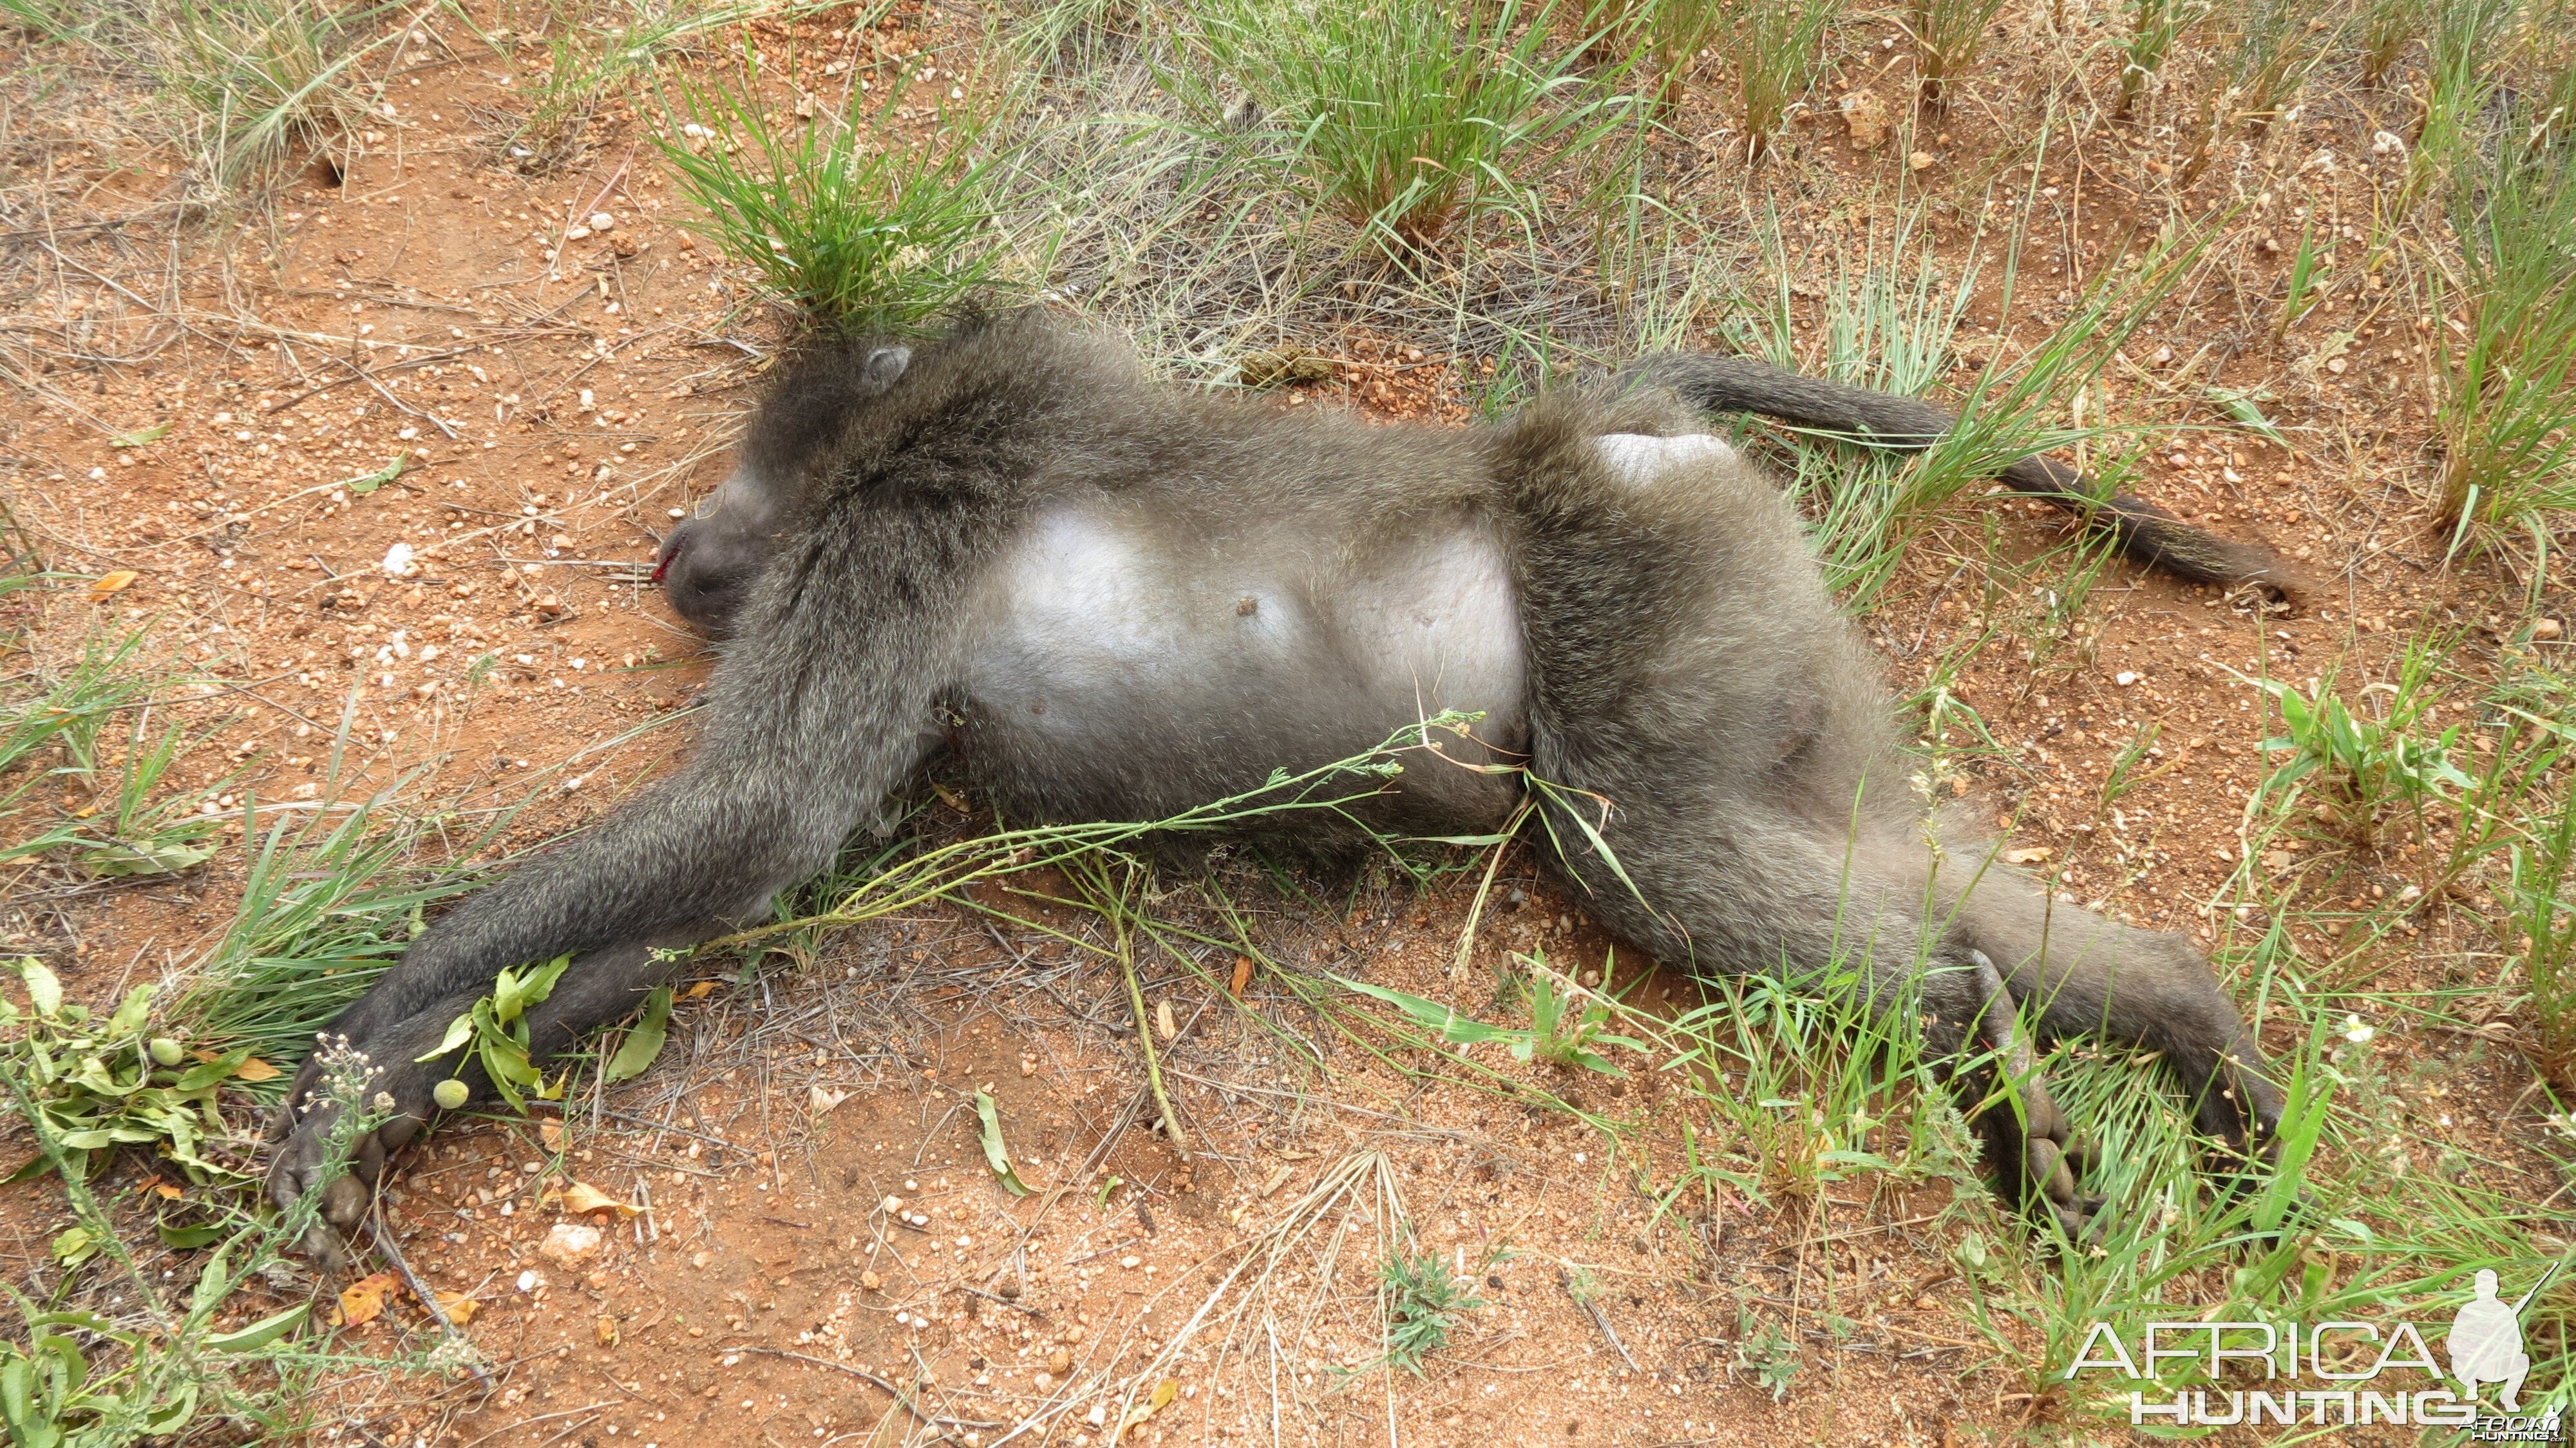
{"type": "Point", "coordinates": [1118, 600]}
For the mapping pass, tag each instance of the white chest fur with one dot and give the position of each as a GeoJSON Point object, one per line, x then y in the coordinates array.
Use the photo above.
{"type": "Point", "coordinates": [1291, 636]}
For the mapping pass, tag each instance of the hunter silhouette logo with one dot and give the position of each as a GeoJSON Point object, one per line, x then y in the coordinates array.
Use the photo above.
{"type": "Point", "coordinates": [2486, 1340]}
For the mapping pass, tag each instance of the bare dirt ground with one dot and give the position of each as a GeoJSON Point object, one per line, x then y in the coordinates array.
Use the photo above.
{"type": "Point", "coordinates": [817, 1252]}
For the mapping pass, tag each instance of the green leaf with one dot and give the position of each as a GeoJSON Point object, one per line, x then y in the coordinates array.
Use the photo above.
{"type": "Point", "coordinates": [513, 992]}
{"type": "Point", "coordinates": [148, 857]}
{"type": "Point", "coordinates": [173, 1415]}
{"type": "Point", "coordinates": [996, 1154]}
{"type": "Point", "coordinates": [201, 1236]}
{"type": "Point", "coordinates": [206, 1074]}
{"type": "Point", "coordinates": [366, 483]}
{"type": "Point", "coordinates": [140, 436]}
{"type": "Point", "coordinates": [1452, 1027]}
{"type": "Point", "coordinates": [130, 1016]}
{"type": "Point", "coordinates": [75, 1246]}
{"type": "Point", "coordinates": [459, 1031]}
{"type": "Point", "coordinates": [44, 988]}
{"type": "Point", "coordinates": [261, 1333]}
{"type": "Point", "coordinates": [214, 1281]}
{"type": "Point", "coordinates": [508, 1061]}
{"type": "Point", "coordinates": [643, 1045]}
{"type": "Point", "coordinates": [2241, 406]}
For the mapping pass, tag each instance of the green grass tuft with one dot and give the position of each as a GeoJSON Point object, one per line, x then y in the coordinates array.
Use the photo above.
{"type": "Point", "coordinates": [2509, 383]}
{"type": "Point", "coordinates": [864, 226]}
{"type": "Point", "coordinates": [1424, 1304]}
{"type": "Point", "coordinates": [1406, 119]}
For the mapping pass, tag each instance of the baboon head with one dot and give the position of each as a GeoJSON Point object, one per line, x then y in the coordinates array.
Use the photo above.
{"type": "Point", "coordinates": [709, 561]}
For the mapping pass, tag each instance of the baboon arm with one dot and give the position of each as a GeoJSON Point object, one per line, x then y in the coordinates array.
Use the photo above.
{"type": "Point", "coordinates": [2144, 531]}
{"type": "Point", "coordinates": [812, 721]}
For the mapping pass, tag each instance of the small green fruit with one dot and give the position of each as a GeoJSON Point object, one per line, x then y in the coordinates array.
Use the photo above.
{"type": "Point", "coordinates": [449, 1094]}
{"type": "Point", "coordinates": [166, 1052]}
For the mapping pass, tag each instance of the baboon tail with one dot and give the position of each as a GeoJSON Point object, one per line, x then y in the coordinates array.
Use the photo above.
{"type": "Point", "coordinates": [2144, 532]}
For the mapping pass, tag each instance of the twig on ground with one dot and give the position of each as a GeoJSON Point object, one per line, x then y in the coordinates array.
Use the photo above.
{"type": "Point", "coordinates": [1565, 1279]}
{"type": "Point", "coordinates": [902, 1398]}
{"type": "Point", "coordinates": [1145, 1038]}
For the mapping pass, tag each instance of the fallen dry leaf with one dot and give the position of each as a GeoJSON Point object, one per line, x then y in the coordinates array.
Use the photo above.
{"type": "Point", "coordinates": [819, 1100]}
{"type": "Point", "coordinates": [552, 1134]}
{"type": "Point", "coordinates": [1164, 1026]}
{"type": "Point", "coordinates": [256, 1069]}
{"type": "Point", "coordinates": [2028, 855]}
{"type": "Point", "coordinates": [582, 1197]}
{"type": "Point", "coordinates": [696, 991]}
{"type": "Point", "coordinates": [1164, 1392]}
{"type": "Point", "coordinates": [115, 582]}
{"type": "Point", "coordinates": [363, 1301]}
{"type": "Point", "coordinates": [1242, 976]}
{"type": "Point", "coordinates": [459, 1307]}
{"type": "Point", "coordinates": [606, 1330]}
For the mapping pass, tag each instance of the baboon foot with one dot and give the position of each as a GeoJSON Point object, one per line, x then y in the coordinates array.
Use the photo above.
{"type": "Point", "coordinates": [2030, 1144]}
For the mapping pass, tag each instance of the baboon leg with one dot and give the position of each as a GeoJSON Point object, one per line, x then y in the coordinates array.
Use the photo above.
{"type": "Point", "coordinates": [1746, 807]}
{"type": "Point", "coordinates": [1779, 896]}
{"type": "Point", "coordinates": [676, 867]}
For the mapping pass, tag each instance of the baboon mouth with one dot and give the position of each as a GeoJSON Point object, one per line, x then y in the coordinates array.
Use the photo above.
{"type": "Point", "coordinates": [670, 555]}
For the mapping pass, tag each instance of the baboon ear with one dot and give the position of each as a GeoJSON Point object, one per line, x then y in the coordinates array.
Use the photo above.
{"type": "Point", "coordinates": [885, 364]}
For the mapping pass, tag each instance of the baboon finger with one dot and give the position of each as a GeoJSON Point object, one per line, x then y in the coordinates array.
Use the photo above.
{"type": "Point", "coordinates": [2083, 1155]}
{"type": "Point", "coordinates": [2048, 1173]}
{"type": "Point", "coordinates": [282, 1120]}
{"type": "Point", "coordinates": [344, 1200]}
{"type": "Point", "coordinates": [328, 1249]}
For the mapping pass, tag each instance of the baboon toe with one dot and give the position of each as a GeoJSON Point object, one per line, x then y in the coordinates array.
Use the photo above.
{"type": "Point", "coordinates": [2051, 1168]}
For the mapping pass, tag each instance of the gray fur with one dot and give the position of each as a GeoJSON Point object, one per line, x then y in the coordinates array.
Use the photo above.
{"type": "Point", "coordinates": [1668, 646]}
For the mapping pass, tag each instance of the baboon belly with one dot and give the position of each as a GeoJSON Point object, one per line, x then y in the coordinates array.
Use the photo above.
{"type": "Point", "coordinates": [1120, 673]}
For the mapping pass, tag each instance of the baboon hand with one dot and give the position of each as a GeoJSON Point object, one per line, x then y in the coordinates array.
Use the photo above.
{"type": "Point", "coordinates": [311, 1158]}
